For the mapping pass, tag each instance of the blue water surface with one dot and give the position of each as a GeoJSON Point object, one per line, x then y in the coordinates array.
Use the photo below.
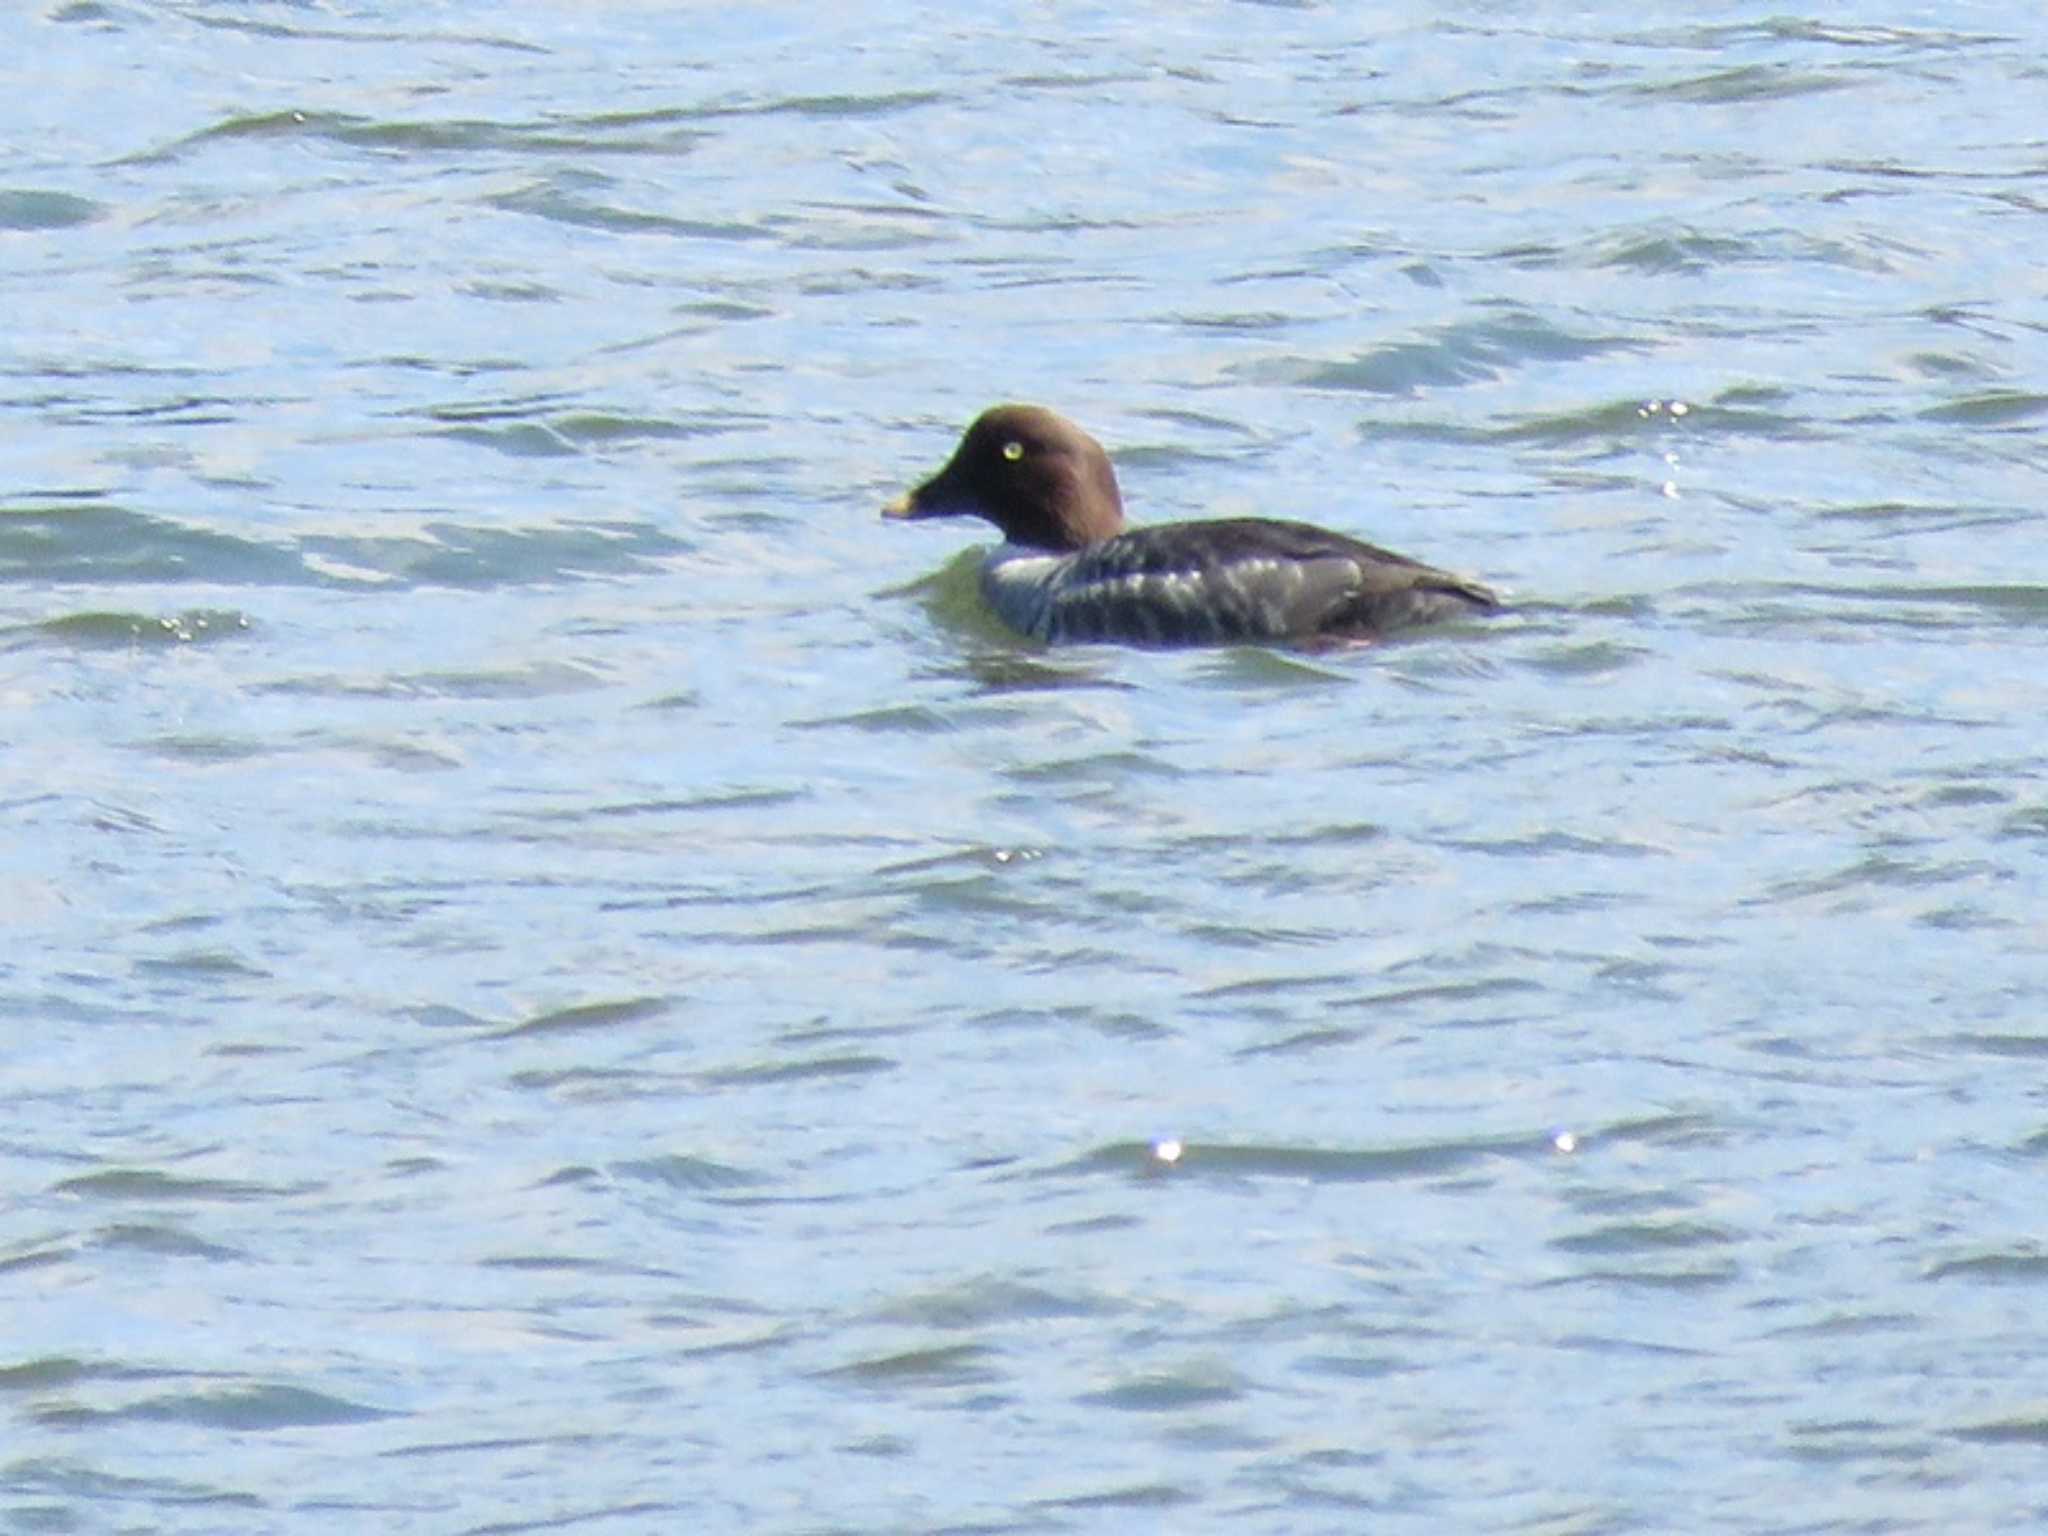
{"type": "Point", "coordinates": [559, 973]}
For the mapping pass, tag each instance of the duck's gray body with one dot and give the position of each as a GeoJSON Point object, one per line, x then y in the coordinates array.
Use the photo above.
{"type": "Point", "coordinates": [1220, 583]}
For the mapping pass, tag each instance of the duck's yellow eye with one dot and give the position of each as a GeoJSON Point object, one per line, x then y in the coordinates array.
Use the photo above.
{"type": "Point", "coordinates": [1013, 451]}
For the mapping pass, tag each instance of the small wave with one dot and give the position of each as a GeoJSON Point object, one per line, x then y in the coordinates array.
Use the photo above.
{"type": "Point", "coordinates": [1999, 408]}
{"type": "Point", "coordinates": [30, 208]}
{"type": "Point", "coordinates": [90, 540]}
{"type": "Point", "coordinates": [253, 1408]}
{"type": "Point", "coordinates": [940, 1366]}
{"type": "Point", "coordinates": [153, 1184]}
{"type": "Point", "coordinates": [696, 1175]}
{"type": "Point", "coordinates": [1747, 83]}
{"type": "Point", "coordinates": [1465, 353]}
{"type": "Point", "coordinates": [572, 198]}
{"type": "Point", "coordinates": [118, 630]}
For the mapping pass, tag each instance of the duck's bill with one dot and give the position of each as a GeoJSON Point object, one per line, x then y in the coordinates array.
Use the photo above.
{"type": "Point", "coordinates": [937, 497]}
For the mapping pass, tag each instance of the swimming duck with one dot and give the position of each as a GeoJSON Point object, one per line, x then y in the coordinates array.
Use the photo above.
{"type": "Point", "coordinates": [1069, 570]}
